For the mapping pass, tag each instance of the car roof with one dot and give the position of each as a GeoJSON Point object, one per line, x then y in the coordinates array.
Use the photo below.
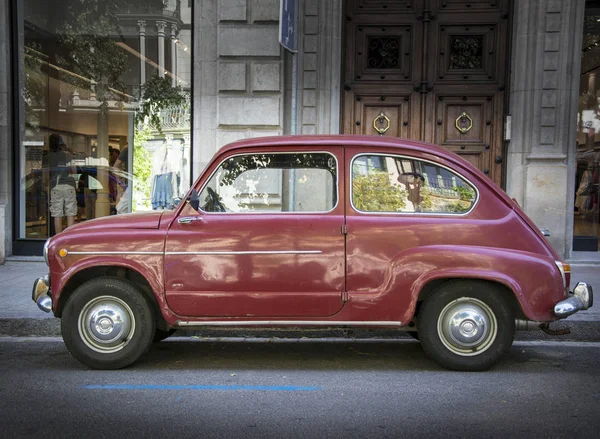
{"type": "Point", "coordinates": [367, 142]}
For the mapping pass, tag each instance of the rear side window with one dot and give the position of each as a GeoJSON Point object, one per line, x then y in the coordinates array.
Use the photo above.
{"type": "Point", "coordinates": [281, 182]}
{"type": "Point", "coordinates": [391, 184]}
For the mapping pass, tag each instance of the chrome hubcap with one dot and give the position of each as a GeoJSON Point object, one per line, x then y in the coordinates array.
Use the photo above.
{"type": "Point", "coordinates": [467, 326]}
{"type": "Point", "coordinates": [106, 324]}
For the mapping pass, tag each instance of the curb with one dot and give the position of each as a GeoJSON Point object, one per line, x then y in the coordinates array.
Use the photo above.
{"type": "Point", "coordinates": [583, 331]}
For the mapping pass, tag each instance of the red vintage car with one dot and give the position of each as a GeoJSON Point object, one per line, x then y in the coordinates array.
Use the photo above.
{"type": "Point", "coordinates": [314, 231]}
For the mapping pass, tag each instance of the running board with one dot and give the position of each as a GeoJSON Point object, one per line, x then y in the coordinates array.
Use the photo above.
{"type": "Point", "coordinates": [320, 323]}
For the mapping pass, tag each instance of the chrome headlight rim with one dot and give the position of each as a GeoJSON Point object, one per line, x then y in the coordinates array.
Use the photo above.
{"type": "Point", "coordinates": [46, 245]}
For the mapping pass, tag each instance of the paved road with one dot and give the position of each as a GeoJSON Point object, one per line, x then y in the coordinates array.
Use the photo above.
{"type": "Point", "coordinates": [303, 388]}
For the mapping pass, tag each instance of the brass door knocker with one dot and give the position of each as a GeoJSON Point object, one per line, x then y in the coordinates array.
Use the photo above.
{"type": "Point", "coordinates": [459, 120]}
{"type": "Point", "coordinates": [378, 124]}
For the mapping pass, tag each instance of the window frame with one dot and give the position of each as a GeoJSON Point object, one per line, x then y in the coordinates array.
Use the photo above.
{"type": "Point", "coordinates": [337, 184]}
{"type": "Point", "coordinates": [402, 156]}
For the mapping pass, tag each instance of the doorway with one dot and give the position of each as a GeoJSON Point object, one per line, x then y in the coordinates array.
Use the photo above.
{"type": "Point", "coordinates": [433, 70]}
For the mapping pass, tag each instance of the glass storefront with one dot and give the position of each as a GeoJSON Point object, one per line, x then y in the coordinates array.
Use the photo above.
{"type": "Point", "coordinates": [586, 227]}
{"type": "Point", "coordinates": [105, 102]}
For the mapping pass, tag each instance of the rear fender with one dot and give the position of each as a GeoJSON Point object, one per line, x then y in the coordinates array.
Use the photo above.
{"type": "Point", "coordinates": [533, 279]}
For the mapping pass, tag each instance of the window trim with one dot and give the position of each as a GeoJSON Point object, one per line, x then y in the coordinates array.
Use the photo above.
{"type": "Point", "coordinates": [401, 156]}
{"type": "Point", "coordinates": [319, 212]}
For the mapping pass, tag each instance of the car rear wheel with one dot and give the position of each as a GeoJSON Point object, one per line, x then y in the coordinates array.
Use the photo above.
{"type": "Point", "coordinates": [466, 325]}
{"type": "Point", "coordinates": [107, 323]}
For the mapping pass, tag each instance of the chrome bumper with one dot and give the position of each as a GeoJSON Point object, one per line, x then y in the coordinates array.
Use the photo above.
{"type": "Point", "coordinates": [41, 293]}
{"type": "Point", "coordinates": [580, 299]}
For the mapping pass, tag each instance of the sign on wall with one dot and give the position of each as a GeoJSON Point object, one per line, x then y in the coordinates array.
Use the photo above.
{"type": "Point", "coordinates": [287, 24]}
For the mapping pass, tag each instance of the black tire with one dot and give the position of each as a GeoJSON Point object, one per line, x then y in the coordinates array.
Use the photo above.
{"type": "Point", "coordinates": [111, 342]}
{"type": "Point", "coordinates": [476, 342]}
{"type": "Point", "coordinates": [160, 335]}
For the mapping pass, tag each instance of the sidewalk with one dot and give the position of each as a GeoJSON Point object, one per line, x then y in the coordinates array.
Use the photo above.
{"type": "Point", "coordinates": [19, 315]}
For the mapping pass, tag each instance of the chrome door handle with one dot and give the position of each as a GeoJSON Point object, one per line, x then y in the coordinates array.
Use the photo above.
{"type": "Point", "coordinates": [189, 219]}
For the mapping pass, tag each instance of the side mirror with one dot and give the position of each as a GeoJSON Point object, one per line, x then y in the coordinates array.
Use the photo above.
{"type": "Point", "coordinates": [194, 199]}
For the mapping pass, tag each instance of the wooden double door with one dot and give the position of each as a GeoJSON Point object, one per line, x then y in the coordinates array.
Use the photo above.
{"type": "Point", "coordinates": [431, 70]}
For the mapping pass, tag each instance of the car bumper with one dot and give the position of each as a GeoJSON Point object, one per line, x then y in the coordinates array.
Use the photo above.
{"type": "Point", "coordinates": [40, 293]}
{"type": "Point", "coordinates": [580, 299]}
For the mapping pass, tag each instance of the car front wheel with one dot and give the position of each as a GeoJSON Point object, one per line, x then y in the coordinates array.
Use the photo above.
{"type": "Point", "coordinates": [107, 323]}
{"type": "Point", "coordinates": [466, 325]}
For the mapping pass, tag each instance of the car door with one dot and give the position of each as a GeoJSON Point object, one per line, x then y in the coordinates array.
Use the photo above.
{"type": "Point", "coordinates": [266, 240]}
{"type": "Point", "coordinates": [400, 203]}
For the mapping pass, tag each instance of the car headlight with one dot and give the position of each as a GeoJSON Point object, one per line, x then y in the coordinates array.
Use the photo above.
{"type": "Point", "coordinates": [46, 244]}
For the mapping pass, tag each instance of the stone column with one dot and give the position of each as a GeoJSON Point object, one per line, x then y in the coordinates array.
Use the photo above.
{"type": "Point", "coordinates": [161, 25]}
{"type": "Point", "coordinates": [546, 60]}
{"type": "Point", "coordinates": [142, 26]}
{"type": "Point", "coordinates": [174, 30]}
{"type": "Point", "coordinates": [7, 146]}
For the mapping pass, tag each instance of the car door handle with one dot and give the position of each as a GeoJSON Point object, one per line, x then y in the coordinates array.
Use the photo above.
{"type": "Point", "coordinates": [189, 219]}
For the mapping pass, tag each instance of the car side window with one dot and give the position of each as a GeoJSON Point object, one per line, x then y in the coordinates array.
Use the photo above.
{"type": "Point", "coordinates": [275, 182]}
{"type": "Point", "coordinates": [383, 183]}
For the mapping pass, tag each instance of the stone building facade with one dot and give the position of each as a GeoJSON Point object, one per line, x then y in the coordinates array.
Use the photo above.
{"type": "Point", "coordinates": [242, 87]}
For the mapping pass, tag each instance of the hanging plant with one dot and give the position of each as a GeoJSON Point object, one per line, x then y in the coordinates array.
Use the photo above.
{"type": "Point", "coordinates": [158, 95]}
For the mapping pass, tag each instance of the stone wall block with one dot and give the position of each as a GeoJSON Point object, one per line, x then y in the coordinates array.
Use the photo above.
{"type": "Point", "coordinates": [311, 25]}
{"type": "Point", "coordinates": [232, 76]}
{"type": "Point", "coordinates": [310, 61]}
{"type": "Point", "coordinates": [551, 61]}
{"type": "Point", "coordinates": [552, 42]}
{"type": "Point", "coordinates": [310, 80]}
{"type": "Point", "coordinates": [309, 116]}
{"type": "Point", "coordinates": [263, 111]}
{"type": "Point", "coordinates": [311, 43]}
{"type": "Point", "coordinates": [265, 10]}
{"type": "Point", "coordinates": [549, 99]}
{"type": "Point", "coordinates": [311, 7]}
{"type": "Point", "coordinates": [248, 41]}
{"type": "Point", "coordinates": [309, 129]}
{"type": "Point", "coordinates": [550, 80]}
{"type": "Point", "coordinates": [309, 98]}
{"type": "Point", "coordinates": [266, 77]}
{"type": "Point", "coordinates": [554, 5]}
{"type": "Point", "coordinates": [4, 107]}
{"type": "Point", "coordinates": [547, 136]}
{"type": "Point", "coordinates": [2, 236]}
{"type": "Point", "coordinates": [232, 10]}
{"type": "Point", "coordinates": [553, 22]}
{"type": "Point", "coordinates": [548, 117]}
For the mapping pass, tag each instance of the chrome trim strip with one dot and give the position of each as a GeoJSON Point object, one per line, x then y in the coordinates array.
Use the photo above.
{"type": "Point", "coordinates": [115, 253]}
{"type": "Point", "coordinates": [337, 183]}
{"type": "Point", "coordinates": [287, 323]}
{"type": "Point", "coordinates": [282, 252]}
{"type": "Point", "coordinates": [422, 214]}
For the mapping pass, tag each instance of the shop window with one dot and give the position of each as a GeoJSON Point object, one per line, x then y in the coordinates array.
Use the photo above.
{"type": "Point", "coordinates": [587, 194]}
{"type": "Point", "coordinates": [93, 83]}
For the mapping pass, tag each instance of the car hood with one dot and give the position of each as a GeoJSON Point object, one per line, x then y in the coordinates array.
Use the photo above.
{"type": "Point", "coordinates": [143, 220]}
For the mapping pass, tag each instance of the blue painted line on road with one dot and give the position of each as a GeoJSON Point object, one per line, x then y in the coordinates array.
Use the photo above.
{"type": "Point", "coordinates": [200, 387]}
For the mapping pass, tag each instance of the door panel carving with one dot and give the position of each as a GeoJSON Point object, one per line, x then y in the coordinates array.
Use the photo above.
{"type": "Point", "coordinates": [396, 108]}
{"type": "Point", "coordinates": [434, 68]}
{"type": "Point", "coordinates": [379, 7]}
{"type": "Point", "coordinates": [467, 53]}
{"type": "Point", "coordinates": [469, 5]}
{"type": "Point", "coordinates": [383, 53]}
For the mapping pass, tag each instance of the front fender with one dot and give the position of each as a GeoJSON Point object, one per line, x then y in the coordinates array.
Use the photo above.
{"type": "Point", "coordinates": [149, 266]}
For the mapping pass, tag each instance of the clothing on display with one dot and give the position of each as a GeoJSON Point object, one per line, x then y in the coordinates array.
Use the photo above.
{"type": "Point", "coordinates": [166, 181]}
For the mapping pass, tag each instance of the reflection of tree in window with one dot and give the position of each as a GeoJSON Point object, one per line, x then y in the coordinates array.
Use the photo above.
{"type": "Point", "coordinates": [400, 184]}
{"type": "Point", "coordinates": [277, 182]}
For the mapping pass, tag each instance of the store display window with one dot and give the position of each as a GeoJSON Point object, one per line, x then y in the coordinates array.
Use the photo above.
{"type": "Point", "coordinates": [586, 224]}
{"type": "Point", "coordinates": [104, 109]}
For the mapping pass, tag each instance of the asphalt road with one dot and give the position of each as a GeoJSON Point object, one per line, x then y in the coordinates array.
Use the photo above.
{"type": "Point", "coordinates": [300, 388]}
